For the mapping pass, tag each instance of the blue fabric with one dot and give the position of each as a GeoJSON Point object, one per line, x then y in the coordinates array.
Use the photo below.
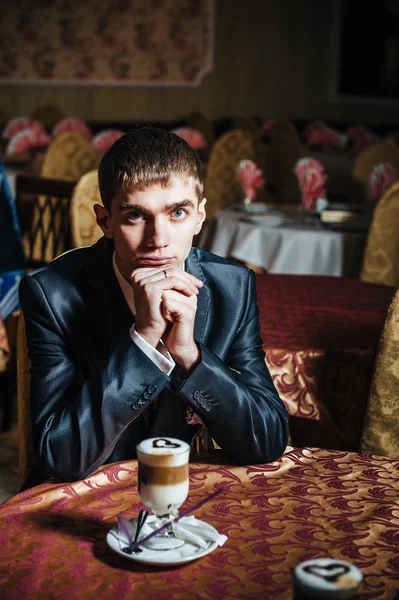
{"type": "Point", "coordinates": [9, 284]}
{"type": "Point", "coordinates": [11, 250]}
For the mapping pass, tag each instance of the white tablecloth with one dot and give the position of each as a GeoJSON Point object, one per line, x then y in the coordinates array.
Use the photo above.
{"type": "Point", "coordinates": [302, 247]}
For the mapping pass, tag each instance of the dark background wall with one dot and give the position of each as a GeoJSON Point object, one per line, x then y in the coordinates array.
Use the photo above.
{"type": "Point", "coordinates": [272, 58]}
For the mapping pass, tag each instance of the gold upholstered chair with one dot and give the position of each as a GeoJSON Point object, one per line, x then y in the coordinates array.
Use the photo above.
{"type": "Point", "coordinates": [381, 256]}
{"type": "Point", "coordinates": [284, 151]}
{"type": "Point", "coordinates": [364, 163]}
{"type": "Point", "coordinates": [69, 156]}
{"type": "Point", "coordinates": [221, 186]}
{"type": "Point", "coordinates": [381, 426]}
{"type": "Point", "coordinates": [85, 230]}
{"type": "Point", "coordinates": [23, 402]}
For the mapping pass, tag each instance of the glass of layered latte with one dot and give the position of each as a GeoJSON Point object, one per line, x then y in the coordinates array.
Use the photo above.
{"type": "Point", "coordinates": [163, 484]}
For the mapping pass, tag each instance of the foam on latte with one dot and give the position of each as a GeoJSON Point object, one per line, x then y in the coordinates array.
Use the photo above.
{"type": "Point", "coordinates": [163, 473]}
{"type": "Point", "coordinates": [163, 452]}
{"type": "Point", "coordinates": [327, 578]}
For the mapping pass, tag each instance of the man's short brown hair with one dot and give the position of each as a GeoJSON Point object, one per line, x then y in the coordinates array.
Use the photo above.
{"type": "Point", "coordinates": [144, 157]}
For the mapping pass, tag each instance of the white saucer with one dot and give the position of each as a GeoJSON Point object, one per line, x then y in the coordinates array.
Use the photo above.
{"type": "Point", "coordinates": [117, 540]}
{"type": "Point", "coordinates": [271, 220]}
{"type": "Point", "coordinates": [255, 208]}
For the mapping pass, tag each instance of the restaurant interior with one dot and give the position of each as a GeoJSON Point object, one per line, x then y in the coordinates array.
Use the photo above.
{"type": "Point", "coordinates": [293, 109]}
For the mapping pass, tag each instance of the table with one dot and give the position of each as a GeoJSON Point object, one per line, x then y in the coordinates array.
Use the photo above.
{"type": "Point", "coordinates": [308, 504]}
{"type": "Point", "coordinates": [302, 247]}
{"type": "Point", "coordinates": [320, 336]}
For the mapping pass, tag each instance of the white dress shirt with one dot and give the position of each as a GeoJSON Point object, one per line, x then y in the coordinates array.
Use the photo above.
{"type": "Point", "coordinates": [160, 355]}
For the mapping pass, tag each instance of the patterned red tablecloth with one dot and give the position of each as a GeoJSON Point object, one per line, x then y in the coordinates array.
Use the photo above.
{"type": "Point", "coordinates": [308, 504]}
{"type": "Point", "coordinates": [320, 335]}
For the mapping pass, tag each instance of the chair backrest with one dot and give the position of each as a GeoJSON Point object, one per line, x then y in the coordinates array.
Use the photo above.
{"type": "Point", "coordinates": [48, 115]}
{"type": "Point", "coordinates": [85, 230]}
{"type": "Point", "coordinates": [381, 256]}
{"type": "Point", "coordinates": [69, 156]}
{"type": "Point", "coordinates": [364, 163]}
{"type": "Point", "coordinates": [284, 151]}
{"type": "Point", "coordinates": [23, 402]}
{"type": "Point", "coordinates": [381, 426]}
{"type": "Point", "coordinates": [43, 211]}
{"type": "Point", "coordinates": [221, 186]}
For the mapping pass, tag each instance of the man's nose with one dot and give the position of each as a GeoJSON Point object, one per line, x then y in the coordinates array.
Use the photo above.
{"type": "Point", "coordinates": [158, 234]}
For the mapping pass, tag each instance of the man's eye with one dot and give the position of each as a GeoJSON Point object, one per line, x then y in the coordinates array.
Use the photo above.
{"type": "Point", "coordinates": [179, 213]}
{"type": "Point", "coordinates": [134, 216]}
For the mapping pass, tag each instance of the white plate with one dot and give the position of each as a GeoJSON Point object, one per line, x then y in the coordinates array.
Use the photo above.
{"type": "Point", "coordinates": [117, 540]}
{"type": "Point", "coordinates": [257, 208]}
{"type": "Point", "coordinates": [271, 220]}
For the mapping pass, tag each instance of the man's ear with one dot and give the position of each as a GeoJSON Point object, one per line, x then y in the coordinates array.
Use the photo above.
{"type": "Point", "coordinates": [103, 220]}
{"type": "Point", "coordinates": [201, 215]}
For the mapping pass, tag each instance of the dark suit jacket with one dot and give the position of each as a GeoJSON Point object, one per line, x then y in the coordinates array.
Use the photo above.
{"type": "Point", "coordinates": [95, 394]}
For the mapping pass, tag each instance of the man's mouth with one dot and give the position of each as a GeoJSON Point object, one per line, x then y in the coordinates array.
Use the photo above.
{"type": "Point", "coordinates": [156, 261]}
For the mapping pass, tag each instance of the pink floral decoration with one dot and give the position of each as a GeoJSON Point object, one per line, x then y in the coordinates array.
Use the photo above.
{"type": "Point", "coordinates": [361, 137]}
{"type": "Point", "coordinates": [27, 140]}
{"type": "Point", "coordinates": [382, 177]}
{"type": "Point", "coordinates": [104, 139]}
{"type": "Point", "coordinates": [318, 133]}
{"type": "Point", "coordinates": [249, 177]}
{"type": "Point", "coordinates": [311, 179]}
{"type": "Point", "coordinates": [71, 124]}
{"type": "Point", "coordinates": [20, 124]}
{"type": "Point", "coordinates": [193, 137]}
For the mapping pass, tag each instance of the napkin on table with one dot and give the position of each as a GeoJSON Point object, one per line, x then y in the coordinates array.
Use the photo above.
{"type": "Point", "coordinates": [318, 133]}
{"type": "Point", "coordinates": [311, 180]}
{"type": "Point", "coordinates": [381, 178]}
{"type": "Point", "coordinates": [193, 137]}
{"type": "Point", "coordinates": [188, 528]}
{"type": "Point", "coordinates": [250, 178]}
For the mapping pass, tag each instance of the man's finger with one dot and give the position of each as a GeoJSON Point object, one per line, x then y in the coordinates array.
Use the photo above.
{"type": "Point", "coordinates": [159, 273]}
{"type": "Point", "coordinates": [158, 285]}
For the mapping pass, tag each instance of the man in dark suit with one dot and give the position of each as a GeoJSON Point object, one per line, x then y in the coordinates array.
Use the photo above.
{"type": "Point", "coordinates": [141, 335]}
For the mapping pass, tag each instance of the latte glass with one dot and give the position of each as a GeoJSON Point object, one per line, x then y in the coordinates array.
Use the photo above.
{"type": "Point", "coordinates": [163, 483]}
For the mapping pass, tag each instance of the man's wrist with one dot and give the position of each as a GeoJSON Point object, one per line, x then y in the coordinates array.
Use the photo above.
{"type": "Point", "coordinates": [189, 359]}
{"type": "Point", "coordinates": [149, 336]}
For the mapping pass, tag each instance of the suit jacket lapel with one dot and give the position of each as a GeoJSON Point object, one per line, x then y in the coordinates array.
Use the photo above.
{"type": "Point", "coordinates": [103, 294]}
{"type": "Point", "coordinates": [193, 266]}
{"type": "Point", "coordinates": [106, 302]}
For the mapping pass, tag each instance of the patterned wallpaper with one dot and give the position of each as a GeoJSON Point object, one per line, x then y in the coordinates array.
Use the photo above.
{"type": "Point", "coordinates": [137, 42]}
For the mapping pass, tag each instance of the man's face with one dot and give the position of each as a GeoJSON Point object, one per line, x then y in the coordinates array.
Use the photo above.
{"type": "Point", "coordinates": [154, 227]}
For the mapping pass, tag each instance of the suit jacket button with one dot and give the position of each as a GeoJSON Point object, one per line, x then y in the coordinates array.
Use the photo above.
{"type": "Point", "coordinates": [151, 389]}
{"type": "Point", "coordinates": [147, 395]}
{"type": "Point", "coordinates": [197, 395]}
{"type": "Point", "coordinates": [136, 406]}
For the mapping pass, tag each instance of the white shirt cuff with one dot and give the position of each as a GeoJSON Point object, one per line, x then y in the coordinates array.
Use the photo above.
{"type": "Point", "coordinates": [163, 361]}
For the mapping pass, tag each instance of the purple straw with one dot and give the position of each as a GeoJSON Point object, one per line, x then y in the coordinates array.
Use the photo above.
{"type": "Point", "coordinates": [133, 546]}
{"type": "Point", "coordinates": [123, 525]}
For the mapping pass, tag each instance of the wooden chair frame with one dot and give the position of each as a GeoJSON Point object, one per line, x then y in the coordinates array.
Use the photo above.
{"type": "Point", "coordinates": [37, 196]}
